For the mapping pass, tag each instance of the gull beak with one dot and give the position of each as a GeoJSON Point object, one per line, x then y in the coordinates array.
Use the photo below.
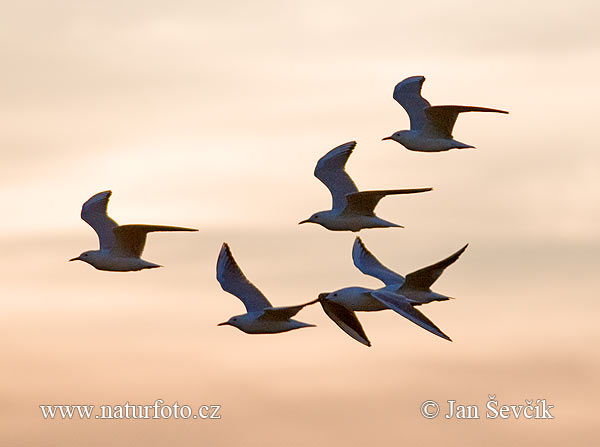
{"type": "Point", "coordinates": [304, 221]}
{"type": "Point", "coordinates": [386, 138]}
{"type": "Point", "coordinates": [225, 323]}
{"type": "Point", "coordinates": [74, 259]}
{"type": "Point", "coordinates": [323, 295]}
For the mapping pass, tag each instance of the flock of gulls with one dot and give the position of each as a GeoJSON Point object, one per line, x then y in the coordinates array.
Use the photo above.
{"type": "Point", "coordinates": [121, 246]}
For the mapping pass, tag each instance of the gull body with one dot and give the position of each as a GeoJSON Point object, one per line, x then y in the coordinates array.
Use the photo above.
{"type": "Point", "coordinates": [121, 246]}
{"type": "Point", "coordinates": [105, 260]}
{"type": "Point", "coordinates": [416, 286]}
{"type": "Point", "coordinates": [352, 210]}
{"type": "Point", "coordinates": [415, 140]}
{"type": "Point", "coordinates": [337, 220]}
{"type": "Point", "coordinates": [260, 317]}
{"type": "Point", "coordinates": [253, 323]}
{"type": "Point", "coordinates": [342, 304]}
{"type": "Point", "coordinates": [358, 299]}
{"type": "Point", "coordinates": [430, 126]}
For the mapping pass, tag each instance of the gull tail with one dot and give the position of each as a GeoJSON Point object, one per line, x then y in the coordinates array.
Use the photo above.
{"type": "Point", "coordinates": [152, 266]}
{"type": "Point", "coordinates": [302, 324]}
{"type": "Point", "coordinates": [381, 223]}
{"type": "Point", "coordinates": [459, 145]}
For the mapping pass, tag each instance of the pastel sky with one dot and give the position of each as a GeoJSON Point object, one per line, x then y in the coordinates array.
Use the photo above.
{"type": "Point", "coordinates": [213, 115]}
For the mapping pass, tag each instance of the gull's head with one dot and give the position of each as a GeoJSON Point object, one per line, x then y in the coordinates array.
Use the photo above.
{"type": "Point", "coordinates": [315, 218]}
{"type": "Point", "coordinates": [340, 295]}
{"type": "Point", "coordinates": [323, 295]}
{"type": "Point", "coordinates": [233, 321]}
{"type": "Point", "coordinates": [398, 137]}
{"type": "Point", "coordinates": [86, 256]}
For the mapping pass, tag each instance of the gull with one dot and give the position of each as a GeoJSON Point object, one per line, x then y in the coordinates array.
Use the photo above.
{"type": "Point", "coordinates": [399, 294]}
{"type": "Point", "coordinates": [341, 304]}
{"type": "Point", "coordinates": [260, 317]}
{"type": "Point", "coordinates": [120, 245]}
{"type": "Point", "coordinates": [416, 287]}
{"type": "Point", "coordinates": [430, 126]}
{"type": "Point", "coordinates": [352, 210]}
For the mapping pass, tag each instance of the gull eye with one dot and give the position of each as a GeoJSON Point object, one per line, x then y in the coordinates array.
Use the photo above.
{"type": "Point", "coordinates": [335, 294]}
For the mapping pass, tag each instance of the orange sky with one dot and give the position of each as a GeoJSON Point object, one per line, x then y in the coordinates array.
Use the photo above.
{"type": "Point", "coordinates": [214, 115]}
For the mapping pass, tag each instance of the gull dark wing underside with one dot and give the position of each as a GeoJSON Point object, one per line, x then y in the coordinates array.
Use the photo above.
{"type": "Point", "coordinates": [441, 119]}
{"type": "Point", "coordinates": [346, 320]}
{"type": "Point", "coordinates": [284, 313]}
{"type": "Point", "coordinates": [131, 239]}
{"type": "Point", "coordinates": [423, 279]}
{"type": "Point", "coordinates": [401, 305]}
{"type": "Point", "coordinates": [364, 202]}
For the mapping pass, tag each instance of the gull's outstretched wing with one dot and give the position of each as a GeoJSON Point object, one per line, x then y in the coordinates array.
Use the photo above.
{"type": "Point", "coordinates": [368, 264]}
{"type": "Point", "coordinates": [346, 320]}
{"type": "Point", "coordinates": [408, 95]}
{"type": "Point", "coordinates": [284, 313]}
{"type": "Point", "coordinates": [401, 305]}
{"type": "Point", "coordinates": [331, 171]}
{"type": "Point", "coordinates": [131, 239]}
{"type": "Point", "coordinates": [422, 279]}
{"type": "Point", "coordinates": [440, 119]}
{"type": "Point", "coordinates": [363, 203]}
{"type": "Point", "coordinates": [233, 280]}
{"type": "Point", "coordinates": [94, 213]}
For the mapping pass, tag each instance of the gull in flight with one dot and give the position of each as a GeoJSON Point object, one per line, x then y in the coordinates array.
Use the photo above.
{"type": "Point", "coordinates": [341, 304]}
{"type": "Point", "coordinates": [416, 287]}
{"type": "Point", "coordinates": [399, 294]}
{"type": "Point", "coordinates": [120, 245]}
{"type": "Point", "coordinates": [430, 126]}
{"type": "Point", "coordinates": [352, 210]}
{"type": "Point", "coordinates": [260, 317]}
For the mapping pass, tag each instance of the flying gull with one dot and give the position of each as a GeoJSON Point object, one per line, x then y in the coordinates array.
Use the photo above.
{"type": "Point", "coordinates": [260, 317]}
{"type": "Point", "coordinates": [341, 304]}
{"type": "Point", "coordinates": [120, 245]}
{"type": "Point", "coordinates": [352, 210]}
{"type": "Point", "coordinates": [416, 287]}
{"type": "Point", "coordinates": [400, 294]}
{"type": "Point", "coordinates": [430, 126]}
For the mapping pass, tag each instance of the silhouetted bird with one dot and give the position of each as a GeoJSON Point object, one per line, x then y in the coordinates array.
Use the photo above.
{"type": "Point", "coordinates": [352, 210]}
{"type": "Point", "coordinates": [120, 245]}
{"type": "Point", "coordinates": [261, 316]}
{"type": "Point", "coordinates": [430, 126]}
